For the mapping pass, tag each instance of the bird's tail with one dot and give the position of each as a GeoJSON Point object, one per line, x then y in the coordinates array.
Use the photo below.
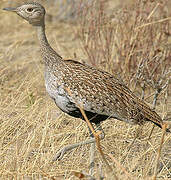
{"type": "Point", "coordinates": [159, 125]}
{"type": "Point", "coordinates": [152, 116]}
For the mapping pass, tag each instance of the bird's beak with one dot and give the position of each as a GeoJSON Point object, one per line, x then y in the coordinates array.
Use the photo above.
{"type": "Point", "coordinates": [10, 9]}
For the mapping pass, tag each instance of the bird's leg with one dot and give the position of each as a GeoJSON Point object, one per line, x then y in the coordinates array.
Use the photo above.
{"type": "Point", "coordinates": [62, 151]}
{"type": "Point", "coordinates": [92, 148]}
{"type": "Point", "coordinates": [92, 155]}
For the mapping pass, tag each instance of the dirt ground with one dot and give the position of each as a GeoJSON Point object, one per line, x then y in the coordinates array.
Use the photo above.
{"type": "Point", "coordinates": [33, 129]}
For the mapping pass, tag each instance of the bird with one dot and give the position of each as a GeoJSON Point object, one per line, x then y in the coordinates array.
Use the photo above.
{"type": "Point", "coordinates": [72, 84]}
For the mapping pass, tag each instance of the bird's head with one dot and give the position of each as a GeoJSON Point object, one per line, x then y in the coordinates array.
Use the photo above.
{"type": "Point", "coordinates": [32, 12]}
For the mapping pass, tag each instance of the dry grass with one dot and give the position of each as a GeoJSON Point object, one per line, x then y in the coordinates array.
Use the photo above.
{"type": "Point", "coordinates": [33, 129]}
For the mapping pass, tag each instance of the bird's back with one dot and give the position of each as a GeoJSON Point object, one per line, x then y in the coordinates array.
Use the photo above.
{"type": "Point", "coordinates": [72, 83]}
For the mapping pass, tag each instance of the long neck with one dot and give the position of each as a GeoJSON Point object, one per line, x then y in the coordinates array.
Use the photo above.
{"type": "Point", "coordinates": [49, 55]}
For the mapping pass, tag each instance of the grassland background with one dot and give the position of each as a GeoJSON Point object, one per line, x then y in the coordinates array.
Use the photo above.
{"type": "Point", "coordinates": [32, 128]}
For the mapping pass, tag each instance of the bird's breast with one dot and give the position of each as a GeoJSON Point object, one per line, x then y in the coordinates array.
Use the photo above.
{"type": "Point", "coordinates": [57, 92]}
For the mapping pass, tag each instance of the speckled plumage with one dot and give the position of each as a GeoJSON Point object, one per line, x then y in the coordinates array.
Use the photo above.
{"type": "Point", "coordinates": [70, 83]}
{"type": "Point", "coordinates": [97, 92]}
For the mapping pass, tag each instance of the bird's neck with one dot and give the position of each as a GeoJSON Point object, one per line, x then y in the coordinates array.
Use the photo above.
{"type": "Point", "coordinates": [50, 57]}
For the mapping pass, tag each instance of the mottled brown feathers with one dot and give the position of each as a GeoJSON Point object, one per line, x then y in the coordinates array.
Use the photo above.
{"type": "Point", "coordinates": [101, 94]}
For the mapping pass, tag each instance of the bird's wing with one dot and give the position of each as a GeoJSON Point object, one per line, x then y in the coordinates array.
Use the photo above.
{"type": "Point", "coordinates": [100, 92]}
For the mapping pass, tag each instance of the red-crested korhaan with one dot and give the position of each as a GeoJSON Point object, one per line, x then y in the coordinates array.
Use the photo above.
{"type": "Point", "coordinates": [72, 84]}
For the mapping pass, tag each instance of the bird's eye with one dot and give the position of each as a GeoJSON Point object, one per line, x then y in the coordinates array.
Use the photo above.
{"type": "Point", "coordinates": [30, 9]}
